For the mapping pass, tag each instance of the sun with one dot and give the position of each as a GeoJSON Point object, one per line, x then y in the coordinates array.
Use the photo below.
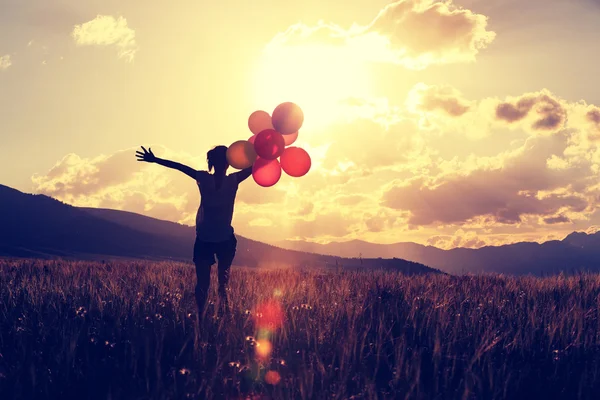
{"type": "Point", "coordinates": [317, 78]}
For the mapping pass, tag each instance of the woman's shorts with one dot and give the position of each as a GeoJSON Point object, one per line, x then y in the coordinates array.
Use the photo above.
{"type": "Point", "coordinates": [205, 252]}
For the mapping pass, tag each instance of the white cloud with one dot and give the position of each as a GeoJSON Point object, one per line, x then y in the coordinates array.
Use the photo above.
{"type": "Point", "coordinates": [5, 62]}
{"type": "Point", "coordinates": [412, 33]}
{"type": "Point", "coordinates": [106, 30]}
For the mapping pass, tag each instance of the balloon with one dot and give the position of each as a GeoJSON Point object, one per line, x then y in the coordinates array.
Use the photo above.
{"type": "Point", "coordinates": [295, 161]}
{"type": "Point", "coordinates": [241, 154]}
{"type": "Point", "coordinates": [259, 121]}
{"type": "Point", "coordinates": [251, 139]}
{"type": "Point", "coordinates": [290, 139]}
{"type": "Point", "coordinates": [287, 118]}
{"type": "Point", "coordinates": [266, 172]}
{"type": "Point", "coordinates": [269, 144]}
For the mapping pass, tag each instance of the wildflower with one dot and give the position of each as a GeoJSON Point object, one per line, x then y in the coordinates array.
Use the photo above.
{"type": "Point", "coordinates": [81, 312]}
{"type": "Point", "coordinates": [184, 371]}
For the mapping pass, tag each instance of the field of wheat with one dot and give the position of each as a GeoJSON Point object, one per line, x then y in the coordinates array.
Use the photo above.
{"type": "Point", "coordinates": [126, 330]}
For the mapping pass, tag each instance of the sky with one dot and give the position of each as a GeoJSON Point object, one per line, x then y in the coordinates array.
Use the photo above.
{"type": "Point", "coordinates": [453, 124]}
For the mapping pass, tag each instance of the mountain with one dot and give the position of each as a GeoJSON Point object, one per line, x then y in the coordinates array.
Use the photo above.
{"type": "Point", "coordinates": [578, 251]}
{"type": "Point", "coordinates": [39, 226]}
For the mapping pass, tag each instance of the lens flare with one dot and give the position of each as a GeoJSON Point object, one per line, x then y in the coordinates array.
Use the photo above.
{"type": "Point", "coordinates": [264, 334]}
{"type": "Point", "coordinates": [263, 348]}
{"type": "Point", "coordinates": [272, 377]}
{"type": "Point", "coordinates": [269, 315]}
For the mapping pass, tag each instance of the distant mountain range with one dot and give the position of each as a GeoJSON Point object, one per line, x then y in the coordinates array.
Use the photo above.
{"type": "Point", "coordinates": [42, 227]}
{"type": "Point", "coordinates": [576, 252]}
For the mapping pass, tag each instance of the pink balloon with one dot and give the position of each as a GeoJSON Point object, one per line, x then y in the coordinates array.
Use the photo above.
{"type": "Point", "coordinates": [266, 172]}
{"type": "Point", "coordinates": [259, 121]}
{"type": "Point", "coordinates": [295, 161]}
{"type": "Point", "coordinates": [290, 139]}
{"type": "Point", "coordinates": [269, 144]}
{"type": "Point", "coordinates": [287, 118]}
{"type": "Point", "coordinates": [251, 139]}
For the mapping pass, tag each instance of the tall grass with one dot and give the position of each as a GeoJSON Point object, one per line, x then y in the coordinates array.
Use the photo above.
{"type": "Point", "coordinates": [127, 330]}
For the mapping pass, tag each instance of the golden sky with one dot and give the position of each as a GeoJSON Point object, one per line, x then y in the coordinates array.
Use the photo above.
{"type": "Point", "coordinates": [450, 124]}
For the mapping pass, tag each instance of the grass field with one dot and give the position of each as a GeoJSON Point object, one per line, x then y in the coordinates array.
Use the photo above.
{"type": "Point", "coordinates": [126, 331]}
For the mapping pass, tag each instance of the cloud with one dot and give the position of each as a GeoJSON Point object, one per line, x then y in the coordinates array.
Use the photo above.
{"type": "Point", "coordinates": [425, 32]}
{"type": "Point", "coordinates": [519, 185]}
{"type": "Point", "coordinates": [412, 33]}
{"type": "Point", "coordinates": [118, 181]}
{"type": "Point", "coordinates": [382, 220]}
{"type": "Point", "coordinates": [438, 98]}
{"type": "Point", "coordinates": [5, 62]}
{"type": "Point", "coordinates": [593, 118]}
{"type": "Point", "coordinates": [560, 219]}
{"type": "Point", "coordinates": [443, 107]}
{"type": "Point", "coordinates": [541, 111]}
{"type": "Point", "coordinates": [460, 238]}
{"type": "Point", "coordinates": [333, 224]}
{"type": "Point", "coordinates": [106, 30]}
{"type": "Point", "coordinates": [593, 115]}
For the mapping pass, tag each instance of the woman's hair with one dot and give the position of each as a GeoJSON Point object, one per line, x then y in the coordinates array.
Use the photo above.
{"type": "Point", "coordinates": [217, 158]}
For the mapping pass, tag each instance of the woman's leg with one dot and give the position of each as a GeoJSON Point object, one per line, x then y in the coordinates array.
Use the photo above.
{"type": "Point", "coordinates": [204, 258]}
{"type": "Point", "coordinates": [225, 255]}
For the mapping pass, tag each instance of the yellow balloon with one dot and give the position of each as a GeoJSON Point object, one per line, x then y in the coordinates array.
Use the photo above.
{"type": "Point", "coordinates": [241, 154]}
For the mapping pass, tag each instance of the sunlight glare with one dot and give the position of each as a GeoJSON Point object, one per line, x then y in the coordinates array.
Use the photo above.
{"type": "Point", "coordinates": [263, 348]}
{"type": "Point", "coordinates": [314, 77]}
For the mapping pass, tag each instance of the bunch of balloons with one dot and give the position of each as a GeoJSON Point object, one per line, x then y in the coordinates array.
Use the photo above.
{"type": "Point", "coordinates": [269, 148]}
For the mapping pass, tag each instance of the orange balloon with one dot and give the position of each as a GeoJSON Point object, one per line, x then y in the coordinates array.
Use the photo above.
{"type": "Point", "coordinates": [290, 139]}
{"type": "Point", "coordinates": [295, 161]}
{"type": "Point", "coordinates": [259, 121]}
{"type": "Point", "coordinates": [241, 154]}
{"type": "Point", "coordinates": [266, 172]}
{"type": "Point", "coordinates": [287, 118]}
{"type": "Point", "coordinates": [269, 144]}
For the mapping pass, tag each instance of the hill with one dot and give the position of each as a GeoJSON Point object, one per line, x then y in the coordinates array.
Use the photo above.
{"type": "Point", "coordinates": [578, 251]}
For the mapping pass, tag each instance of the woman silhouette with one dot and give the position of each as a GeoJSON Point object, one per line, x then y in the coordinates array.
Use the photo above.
{"type": "Point", "coordinates": [214, 233]}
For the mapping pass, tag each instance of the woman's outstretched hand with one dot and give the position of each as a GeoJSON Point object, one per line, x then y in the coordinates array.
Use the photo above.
{"type": "Point", "coordinates": [146, 156]}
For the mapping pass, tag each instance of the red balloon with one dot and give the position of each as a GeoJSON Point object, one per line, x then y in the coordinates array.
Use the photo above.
{"type": "Point", "coordinates": [290, 139]}
{"type": "Point", "coordinates": [287, 118]}
{"type": "Point", "coordinates": [259, 121]}
{"type": "Point", "coordinates": [269, 144]}
{"type": "Point", "coordinates": [266, 172]}
{"type": "Point", "coordinates": [295, 161]}
{"type": "Point", "coordinates": [251, 139]}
